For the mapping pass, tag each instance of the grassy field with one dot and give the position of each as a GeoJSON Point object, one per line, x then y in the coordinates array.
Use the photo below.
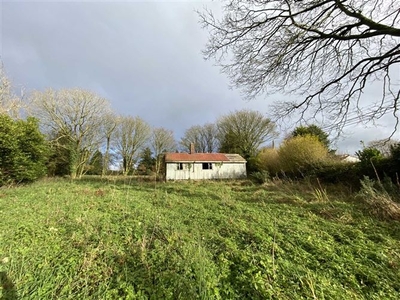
{"type": "Point", "coordinates": [99, 239]}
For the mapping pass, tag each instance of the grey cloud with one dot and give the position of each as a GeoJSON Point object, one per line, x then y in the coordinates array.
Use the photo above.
{"type": "Point", "coordinates": [145, 57]}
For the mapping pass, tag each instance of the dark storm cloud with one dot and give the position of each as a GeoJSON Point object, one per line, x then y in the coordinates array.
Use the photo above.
{"type": "Point", "coordinates": [145, 57]}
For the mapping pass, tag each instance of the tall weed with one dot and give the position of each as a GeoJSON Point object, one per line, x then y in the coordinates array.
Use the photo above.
{"type": "Point", "coordinates": [379, 201]}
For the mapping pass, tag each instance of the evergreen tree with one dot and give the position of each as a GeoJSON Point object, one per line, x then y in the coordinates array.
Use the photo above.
{"type": "Point", "coordinates": [313, 130]}
{"type": "Point", "coordinates": [147, 162]}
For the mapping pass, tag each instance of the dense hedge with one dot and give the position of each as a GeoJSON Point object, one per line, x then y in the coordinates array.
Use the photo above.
{"type": "Point", "coordinates": [350, 174]}
{"type": "Point", "coordinates": [23, 150]}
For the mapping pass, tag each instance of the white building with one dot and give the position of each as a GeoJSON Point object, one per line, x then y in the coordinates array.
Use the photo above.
{"type": "Point", "coordinates": [181, 166]}
{"type": "Point", "coordinates": [349, 159]}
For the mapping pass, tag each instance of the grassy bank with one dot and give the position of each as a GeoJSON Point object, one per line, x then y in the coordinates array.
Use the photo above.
{"type": "Point", "coordinates": [98, 239]}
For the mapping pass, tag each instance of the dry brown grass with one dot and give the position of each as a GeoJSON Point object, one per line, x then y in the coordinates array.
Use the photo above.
{"type": "Point", "coordinates": [380, 203]}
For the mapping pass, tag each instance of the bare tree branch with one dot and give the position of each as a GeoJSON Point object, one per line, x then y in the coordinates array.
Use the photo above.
{"type": "Point", "coordinates": [10, 103]}
{"type": "Point", "coordinates": [203, 137]}
{"type": "Point", "coordinates": [162, 141]}
{"type": "Point", "coordinates": [131, 135]}
{"type": "Point", "coordinates": [327, 52]}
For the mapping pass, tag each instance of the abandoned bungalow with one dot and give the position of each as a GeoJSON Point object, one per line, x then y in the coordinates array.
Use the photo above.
{"type": "Point", "coordinates": [180, 166]}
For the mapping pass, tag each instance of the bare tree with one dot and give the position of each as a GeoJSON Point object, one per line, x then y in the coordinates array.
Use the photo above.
{"type": "Point", "coordinates": [162, 140]}
{"type": "Point", "coordinates": [192, 135]}
{"type": "Point", "coordinates": [325, 51]}
{"type": "Point", "coordinates": [209, 137]}
{"type": "Point", "coordinates": [244, 132]}
{"type": "Point", "coordinates": [109, 124]}
{"type": "Point", "coordinates": [384, 146]}
{"type": "Point", "coordinates": [131, 135]}
{"type": "Point", "coordinates": [75, 115]}
{"type": "Point", "coordinates": [204, 138]}
{"type": "Point", "coordinates": [10, 103]}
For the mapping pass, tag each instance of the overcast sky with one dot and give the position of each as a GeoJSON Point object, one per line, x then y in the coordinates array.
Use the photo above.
{"type": "Point", "coordinates": [145, 57]}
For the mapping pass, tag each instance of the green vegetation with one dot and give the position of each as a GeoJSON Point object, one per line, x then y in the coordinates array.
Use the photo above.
{"type": "Point", "coordinates": [301, 153]}
{"type": "Point", "coordinates": [268, 160]}
{"type": "Point", "coordinates": [122, 239]}
{"type": "Point", "coordinates": [296, 156]}
{"type": "Point", "coordinates": [23, 150]}
{"type": "Point", "coordinates": [314, 130]}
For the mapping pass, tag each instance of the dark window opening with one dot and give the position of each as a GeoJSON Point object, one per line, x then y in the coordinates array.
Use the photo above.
{"type": "Point", "coordinates": [179, 166]}
{"type": "Point", "coordinates": [207, 166]}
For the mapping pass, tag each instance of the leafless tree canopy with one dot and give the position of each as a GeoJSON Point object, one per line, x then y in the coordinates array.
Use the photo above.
{"type": "Point", "coordinates": [10, 103]}
{"type": "Point", "coordinates": [161, 141]}
{"type": "Point", "coordinates": [244, 132]}
{"type": "Point", "coordinates": [384, 146]}
{"type": "Point", "coordinates": [75, 114]}
{"type": "Point", "coordinates": [205, 138]}
{"type": "Point", "coordinates": [109, 125]}
{"type": "Point", "coordinates": [325, 51]}
{"type": "Point", "coordinates": [131, 135]}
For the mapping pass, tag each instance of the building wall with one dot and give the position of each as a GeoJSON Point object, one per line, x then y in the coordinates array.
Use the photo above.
{"type": "Point", "coordinates": [195, 171]}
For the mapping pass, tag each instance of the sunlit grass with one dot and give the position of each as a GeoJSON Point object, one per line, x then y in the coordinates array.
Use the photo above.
{"type": "Point", "coordinates": [132, 239]}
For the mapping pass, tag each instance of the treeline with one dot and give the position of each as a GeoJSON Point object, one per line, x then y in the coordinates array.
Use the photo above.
{"type": "Point", "coordinates": [75, 132]}
{"type": "Point", "coordinates": [306, 154]}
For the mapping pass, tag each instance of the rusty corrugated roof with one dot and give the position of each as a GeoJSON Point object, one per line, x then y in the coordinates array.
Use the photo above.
{"type": "Point", "coordinates": [201, 157]}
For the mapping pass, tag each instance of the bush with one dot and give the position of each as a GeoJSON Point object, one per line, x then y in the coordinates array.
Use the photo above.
{"type": "Point", "coordinates": [252, 165]}
{"type": "Point", "coordinates": [261, 176]}
{"type": "Point", "coordinates": [268, 160]}
{"type": "Point", "coordinates": [95, 166]}
{"type": "Point", "coordinates": [378, 200]}
{"type": "Point", "coordinates": [395, 152]}
{"type": "Point", "coordinates": [301, 154]}
{"type": "Point", "coordinates": [23, 150]}
{"type": "Point", "coordinates": [369, 156]}
{"type": "Point", "coordinates": [338, 172]}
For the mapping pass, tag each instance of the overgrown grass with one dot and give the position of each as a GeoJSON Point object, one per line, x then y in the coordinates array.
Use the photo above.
{"type": "Point", "coordinates": [124, 239]}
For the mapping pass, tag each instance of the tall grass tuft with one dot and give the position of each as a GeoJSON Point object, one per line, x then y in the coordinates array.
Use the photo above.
{"type": "Point", "coordinates": [320, 193]}
{"type": "Point", "coordinates": [379, 201]}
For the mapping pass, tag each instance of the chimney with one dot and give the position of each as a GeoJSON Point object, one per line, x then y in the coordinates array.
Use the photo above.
{"type": "Point", "coordinates": [192, 151]}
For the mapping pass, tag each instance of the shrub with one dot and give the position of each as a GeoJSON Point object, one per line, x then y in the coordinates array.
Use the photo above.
{"type": "Point", "coordinates": [369, 155]}
{"type": "Point", "coordinates": [302, 154]}
{"type": "Point", "coordinates": [338, 172]}
{"type": "Point", "coordinates": [261, 176]}
{"type": "Point", "coordinates": [252, 165]}
{"type": "Point", "coordinates": [23, 150]}
{"type": "Point", "coordinates": [95, 166]}
{"type": "Point", "coordinates": [395, 152]}
{"type": "Point", "coordinates": [268, 160]}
